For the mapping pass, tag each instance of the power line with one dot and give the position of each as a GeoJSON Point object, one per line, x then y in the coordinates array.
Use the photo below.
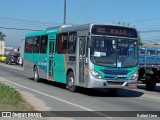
{"type": "Point", "coordinates": [146, 20]}
{"type": "Point", "coordinates": [19, 29]}
{"type": "Point", "coordinates": [150, 28]}
{"type": "Point", "coordinates": [13, 23]}
{"type": "Point", "coordinates": [147, 31]}
{"type": "Point", "coordinates": [22, 20]}
{"type": "Point", "coordinates": [46, 24]}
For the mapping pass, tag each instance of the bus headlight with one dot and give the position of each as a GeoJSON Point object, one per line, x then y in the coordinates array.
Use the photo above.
{"type": "Point", "coordinates": [134, 76]}
{"type": "Point", "coordinates": [95, 74]}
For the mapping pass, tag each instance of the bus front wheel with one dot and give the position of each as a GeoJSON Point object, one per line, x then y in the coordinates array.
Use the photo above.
{"type": "Point", "coordinates": [36, 74]}
{"type": "Point", "coordinates": [71, 82]}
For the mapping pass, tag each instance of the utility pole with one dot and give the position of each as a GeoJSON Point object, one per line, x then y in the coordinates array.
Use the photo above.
{"type": "Point", "coordinates": [64, 19]}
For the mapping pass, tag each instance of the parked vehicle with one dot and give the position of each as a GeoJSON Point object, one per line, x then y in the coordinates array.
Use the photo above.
{"type": "Point", "coordinates": [149, 66]}
{"type": "Point", "coordinates": [12, 57]}
{"type": "Point", "coordinates": [2, 58]}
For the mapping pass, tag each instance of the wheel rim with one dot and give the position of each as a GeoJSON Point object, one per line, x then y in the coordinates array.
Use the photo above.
{"type": "Point", "coordinates": [35, 75]}
{"type": "Point", "coordinates": [70, 82]}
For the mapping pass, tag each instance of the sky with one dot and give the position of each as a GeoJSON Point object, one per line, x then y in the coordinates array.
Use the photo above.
{"type": "Point", "coordinates": [144, 15]}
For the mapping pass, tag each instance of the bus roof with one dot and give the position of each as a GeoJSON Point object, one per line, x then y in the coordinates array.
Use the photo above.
{"type": "Point", "coordinates": [44, 32]}
{"type": "Point", "coordinates": [75, 28]}
{"type": "Point", "coordinates": [87, 26]}
{"type": "Point", "coordinates": [60, 26]}
{"type": "Point", "coordinates": [68, 28]}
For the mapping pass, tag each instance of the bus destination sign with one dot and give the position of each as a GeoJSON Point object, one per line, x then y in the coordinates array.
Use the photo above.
{"type": "Point", "coordinates": [113, 31]}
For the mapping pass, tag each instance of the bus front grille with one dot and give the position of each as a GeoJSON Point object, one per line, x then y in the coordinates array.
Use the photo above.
{"type": "Point", "coordinates": [115, 72]}
{"type": "Point", "coordinates": [115, 78]}
{"type": "Point", "coordinates": [115, 83]}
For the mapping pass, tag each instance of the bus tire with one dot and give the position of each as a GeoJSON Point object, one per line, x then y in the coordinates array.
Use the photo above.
{"type": "Point", "coordinates": [150, 85]}
{"type": "Point", "coordinates": [36, 74]}
{"type": "Point", "coordinates": [71, 82]}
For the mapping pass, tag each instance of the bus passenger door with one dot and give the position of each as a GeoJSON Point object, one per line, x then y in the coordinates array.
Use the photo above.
{"type": "Point", "coordinates": [82, 59]}
{"type": "Point", "coordinates": [51, 49]}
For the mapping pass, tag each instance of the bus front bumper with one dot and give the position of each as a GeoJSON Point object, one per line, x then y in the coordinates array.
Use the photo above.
{"type": "Point", "coordinates": [102, 83]}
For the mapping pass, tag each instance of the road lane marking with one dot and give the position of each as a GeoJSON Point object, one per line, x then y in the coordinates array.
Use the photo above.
{"type": "Point", "coordinates": [47, 95]}
{"type": "Point", "coordinates": [87, 109]}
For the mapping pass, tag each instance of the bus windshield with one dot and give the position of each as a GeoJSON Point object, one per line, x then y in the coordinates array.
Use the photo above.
{"type": "Point", "coordinates": [113, 52]}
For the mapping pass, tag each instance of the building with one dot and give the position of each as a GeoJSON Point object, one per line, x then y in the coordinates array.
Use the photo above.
{"type": "Point", "coordinates": [2, 46]}
{"type": "Point", "coordinates": [8, 50]}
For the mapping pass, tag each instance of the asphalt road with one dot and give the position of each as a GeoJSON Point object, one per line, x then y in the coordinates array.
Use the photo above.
{"type": "Point", "coordinates": [57, 98]}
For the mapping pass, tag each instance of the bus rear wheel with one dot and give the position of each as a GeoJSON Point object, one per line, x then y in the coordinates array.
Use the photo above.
{"type": "Point", "coordinates": [36, 74]}
{"type": "Point", "coordinates": [71, 82]}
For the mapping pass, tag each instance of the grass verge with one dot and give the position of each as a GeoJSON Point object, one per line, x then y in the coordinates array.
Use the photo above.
{"type": "Point", "coordinates": [11, 100]}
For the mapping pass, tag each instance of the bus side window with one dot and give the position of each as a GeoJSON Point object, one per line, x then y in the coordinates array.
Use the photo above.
{"type": "Point", "coordinates": [72, 43]}
{"type": "Point", "coordinates": [36, 41]}
{"type": "Point", "coordinates": [62, 43]}
{"type": "Point", "coordinates": [43, 44]}
{"type": "Point", "coordinates": [29, 45]}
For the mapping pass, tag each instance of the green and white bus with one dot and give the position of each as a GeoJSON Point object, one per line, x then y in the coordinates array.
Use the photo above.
{"type": "Point", "coordinates": [90, 55]}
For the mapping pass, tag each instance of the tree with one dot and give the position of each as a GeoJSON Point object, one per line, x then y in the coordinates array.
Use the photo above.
{"type": "Point", "coordinates": [2, 36]}
{"type": "Point", "coordinates": [140, 43]}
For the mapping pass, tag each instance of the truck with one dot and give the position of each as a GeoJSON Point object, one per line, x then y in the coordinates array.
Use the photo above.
{"type": "Point", "coordinates": [149, 67]}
